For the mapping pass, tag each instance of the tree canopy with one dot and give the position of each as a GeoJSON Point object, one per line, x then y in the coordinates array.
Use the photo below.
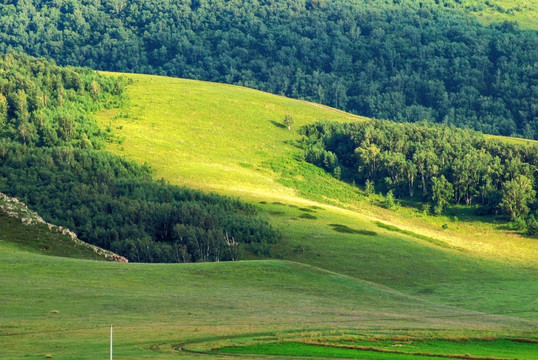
{"type": "Point", "coordinates": [442, 164]}
{"type": "Point", "coordinates": [401, 60]}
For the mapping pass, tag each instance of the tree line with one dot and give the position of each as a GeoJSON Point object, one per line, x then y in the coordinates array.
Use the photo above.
{"type": "Point", "coordinates": [401, 60]}
{"type": "Point", "coordinates": [60, 172]}
{"type": "Point", "coordinates": [438, 164]}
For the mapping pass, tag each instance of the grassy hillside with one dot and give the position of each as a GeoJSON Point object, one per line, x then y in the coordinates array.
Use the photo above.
{"type": "Point", "coordinates": [524, 12]}
{"type": "Point", "coordinates": [65, 306]}
{"type": "Point", "coordinates": [404, 60]}
{"type": "Point", "coordinates": [368, 275]}
{"type": "Point", "coordinates": [231, 140]}
{"type": "Point", "coordinates": [23, 229]}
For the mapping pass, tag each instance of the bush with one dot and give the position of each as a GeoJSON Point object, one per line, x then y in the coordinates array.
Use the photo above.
{"type": "Point", "coordinates": [532, 226]}
{"type": "Point", "coordinates": [389, 202]}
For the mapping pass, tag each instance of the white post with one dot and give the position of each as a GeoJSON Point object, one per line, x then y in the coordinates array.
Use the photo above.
{"type": "Point", "coordinates": [110, 342]}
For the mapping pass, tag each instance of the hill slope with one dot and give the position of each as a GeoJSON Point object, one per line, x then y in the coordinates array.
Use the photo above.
{"type": "Point", "coordinates": [523, 12]}
{"type": "Point", "coordinates": [65, 306]}
{"type": "Point", "coordinates": [231, 140]}
{"type": "Point", "coordinates": [25, 229]}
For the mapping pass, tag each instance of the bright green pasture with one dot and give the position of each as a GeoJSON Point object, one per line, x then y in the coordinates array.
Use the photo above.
{"type": "Point", "coordinates": [63, 307]}
{"type": "Point", "coordinates": [414, 265]}
{"type": "Point", "coordinates": [231, 140]}
{"type": "Point", "coordinates": [524, 12]}
{"type": "Point", "coordinates": [211, 136]}
{"type": "Point", "coordinates": [397, 350]}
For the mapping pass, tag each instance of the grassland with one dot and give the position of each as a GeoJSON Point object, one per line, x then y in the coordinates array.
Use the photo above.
{"type": "Point", "coordinates": [23, 229]}
{"type": "Point", "coordinates": [524, 12]}
{"type": "Point", "coordinates": [62, 307]}
{"type": "Point", "coordinates": [345, 269]}
{"type": "Point", "coordinates": [396, 350]}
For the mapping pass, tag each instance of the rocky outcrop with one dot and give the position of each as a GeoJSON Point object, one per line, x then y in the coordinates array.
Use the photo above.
{"type": "Point", "coordinates": [14, 208]}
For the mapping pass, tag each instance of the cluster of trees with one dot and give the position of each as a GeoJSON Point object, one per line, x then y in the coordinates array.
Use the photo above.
{"type": "Point", "coordinates": [42, 104]}
{"type": "Point", "coordinates": [108, 201]}
{"type": "Point", "coordinates": [402, 60]}
{"type": "Point", "coordinates": [432, 162]}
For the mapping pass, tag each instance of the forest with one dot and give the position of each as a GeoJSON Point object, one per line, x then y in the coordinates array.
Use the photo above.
{"type": "Point", "coordinates": [50, 158]}
{"type": "Point", "coordinates": [400, 60]}
{"type": "Point", "coordinates": [437, 164]}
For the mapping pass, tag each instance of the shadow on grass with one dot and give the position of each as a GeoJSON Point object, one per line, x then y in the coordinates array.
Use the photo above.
{"type": "Point", "coordinates": [347, 230]}
{"type": "Point", "coordinates": [277, 124]}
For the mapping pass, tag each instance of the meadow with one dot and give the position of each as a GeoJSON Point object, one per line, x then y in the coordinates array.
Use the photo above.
{"type": "Point", "coordinates": [63, 307]}
{"type": "Point", "coordinates": [346, 271]}
{"type": "Point", "coordinates": [231, 140]}
{"type": "Point", "coordinates": [524, 12]}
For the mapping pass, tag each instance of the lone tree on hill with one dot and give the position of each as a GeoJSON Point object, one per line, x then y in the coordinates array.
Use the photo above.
{"type": "Point", "coordinates": [288, 121]}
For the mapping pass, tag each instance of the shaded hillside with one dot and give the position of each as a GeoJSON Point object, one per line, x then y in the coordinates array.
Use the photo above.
{"type": "Point", "coordinates": [400, 60]}
{"type": "Point", "coordinates": [25, 229]}
{"type": "Point", "coordinates": [48, 159]}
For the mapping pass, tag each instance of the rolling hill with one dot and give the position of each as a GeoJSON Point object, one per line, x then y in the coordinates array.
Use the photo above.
{"type": "Point", "coordinates": [231, 140]}
{"type": "Point", "coordinates": [346, 270]}
{"type": "Point", "coordinates": [393, 59]}
{"type": "Point", "coordinates": [63, 307]}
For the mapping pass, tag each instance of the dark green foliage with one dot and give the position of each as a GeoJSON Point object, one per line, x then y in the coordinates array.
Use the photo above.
{"type": "Point", "coordinates": [403, 60]}
{"type": "Point", "coordinates": [114, 204]}
{"type": "Point", "coordinates": [45, 105]}
{"type": "Point", "coordinates": [517, 194]}
{"type": "Point", "coordinates": [532, 226]}
{"type": "Point", "coordinates": [441, 194]}
{"type": "Point", "coordinates": [288, 121]}
{"type": "Point", "coordinates": [108, 201]}
{"type": "Point", "coordinates": [369, 187]}
{"type": "Point", "coordinates": [307, 216]}
{"type": "Point", "coordinates": [445, 164]}
{"type": "Point", "coordinates": [389, 202]}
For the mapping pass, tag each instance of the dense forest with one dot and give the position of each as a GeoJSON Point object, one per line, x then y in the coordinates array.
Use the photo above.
{"type": "Point", "coordinates": [50, 159]}
{"type": "Point", "coordinates": [401, 60]}
{"type": "Point", "coordinates": [439, 164]}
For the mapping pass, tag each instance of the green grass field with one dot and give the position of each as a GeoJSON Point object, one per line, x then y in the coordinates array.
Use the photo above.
{"type": "Point", "coordinates": [20, 229]}
{"type": "Point", "coordinates": [230, 139]}
{"type": "Point", "coordinates": [63, 307]}
{"type": "Point", "coordinates": [345, 269]}
{"type": "Point", "coordinates": [397, 350]}
{"type": "Point", "coordinates": [524, 12]}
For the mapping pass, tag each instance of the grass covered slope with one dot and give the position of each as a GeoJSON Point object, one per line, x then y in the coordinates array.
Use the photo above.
{"type": "Point", "coordinates": [524, 12]}
{"type": "Point", "coordinates": [24, 229]}
{"type": "Point", "coordinates": [64, 306]}
{"type": "Point", "coordinates": [186, 128]}
{"type": "Point", "coordinates": [231, 140]}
